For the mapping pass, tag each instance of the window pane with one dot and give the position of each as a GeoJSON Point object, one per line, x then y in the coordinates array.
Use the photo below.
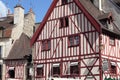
{"type": "Point", "coordinates": [49, 45]}
{"type": "Point", "coordinates": [56, 71]}
{"type": "Point", "coordinates": [11, 73]}
{"type": "Point", "coordinates": [112, 41]}
{"type": "Point", "coordinates": [76, 40]}
{"type": "Point", "coordinates": [40, 71]}
{"type": "Point", "coordinates": [43, 45]}
{"type": "Point", "coordinates": [64, 2]}
{"type": "Point", "coordinates": [0, 51]}
{"type": "Point", "coordinates": [71, 41]}
{"type": "Point", "coordinates": [74, 69]}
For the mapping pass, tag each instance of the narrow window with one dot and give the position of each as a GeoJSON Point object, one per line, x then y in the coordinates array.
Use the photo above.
{"type": "Point", "coordinates": [2, 31]}
{"type": "Point", "coordinates": [0, 52]}
{"type": "Point", "coordinates": [56, 70]}
{"type": "Point", "coordinates": [113, 68]}
{"type": "Point", "coordinates": [64, 22]}
{"type": "Point", "coordinates": [64, 2]}
{"type": "Point", "coordinates": [112, 41]}
{"type": "Point", "coordinates": [11, 72]}
{"type": "Point", "coordinates": [40, 70]}
{"type": "Point", "coordinates": [74, 40]}
{"type": "Point", "coordinates": [74, 68]}
{"type": "Point", "coordinates": [46, 45]}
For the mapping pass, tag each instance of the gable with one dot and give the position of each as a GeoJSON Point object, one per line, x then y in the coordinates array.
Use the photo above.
{"type": "Point", "coordinates": [50, 16]}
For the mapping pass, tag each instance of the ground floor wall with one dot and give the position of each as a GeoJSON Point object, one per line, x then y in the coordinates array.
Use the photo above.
{"type": "Point", "coordinates": [85, 67]}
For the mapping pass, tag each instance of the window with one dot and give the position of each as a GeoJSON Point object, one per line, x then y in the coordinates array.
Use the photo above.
{"type": "Point", "coordinates": [113, 68]}
{"type": "Point", "coordinates": [64, 22]}
{"type": "Point", "coordinates": [56, 70]}
{"type": "Point", "coordinates": [74, 68]}
{"type": "Point", "coordinates": [64, 2]}
{"type": "Point", "coordinates": [11, 72]}
{"type": "Point", "coordinates": [74, 40]}
{"type": "Point", "coordinates": [2, 31]}
{"type": "Point", "coordinates": [46, 45]}
{"type": "Point", "coordinates": [112, 41]}
{"type": "Point", "coordinates": [0, 72]}
{"type": "Point", "coordinates": [40, 70]}
{"type": "Point", "coordinates": [0, 52]}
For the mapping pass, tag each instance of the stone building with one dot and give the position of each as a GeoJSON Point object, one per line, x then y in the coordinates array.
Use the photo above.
{"type": "Point", "coordinates": [14, 30]}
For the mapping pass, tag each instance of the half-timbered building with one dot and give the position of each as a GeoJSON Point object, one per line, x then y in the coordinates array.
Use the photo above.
{"type": "Point", "coordinates": [76, 40]}
{"type": "Point", "coordinates": [17, 63]}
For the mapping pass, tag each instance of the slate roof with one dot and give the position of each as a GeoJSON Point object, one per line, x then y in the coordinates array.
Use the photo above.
{"type": "Point", "coordinates": [97, 14]}
{"type": "Point", "coordinates": [20, 48]}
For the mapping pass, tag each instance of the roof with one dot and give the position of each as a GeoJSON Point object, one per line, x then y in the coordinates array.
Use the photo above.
{"type": "Point", "coordinates": [6, 23]}
{"type": "Point", "coordinates": [98, 15]}
{"type": "Point", "coordinates": [77, 2]}
{"type": "Point", "coordinates": [20, 48]}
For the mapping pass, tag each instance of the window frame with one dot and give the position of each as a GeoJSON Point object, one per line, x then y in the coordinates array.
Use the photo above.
{"type": "Point", "coordinates": [64, 22]}
{"type": "Point", "coordinates": [74, 65]}
{"type": "Point", "coordinates": [41, 69]}
{"type": "Point", "coordinates": [112, 41]}
{"type": "Point", "coordinates": [113, 68]}
{"type": "Point", "coordinates": [46, 45]}
{"type": "Point", "coordinates": [74, 42]}
{"type": "Point", "coordinates": [56, 70]}
{"type": "Point", "coordinates": [11, 72]}
{"type": "Point", "coordinates": [63, 2]}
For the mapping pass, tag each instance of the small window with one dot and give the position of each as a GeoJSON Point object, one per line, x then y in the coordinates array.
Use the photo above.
{"type": "Point", "coordinates": [46, 45]}
{"type": "Point", "coordinates": [11, 72]}
{"type": "Point", "coordinates": [64, 22]}
{"type": "Point", "coordinates": [40, 70]}
{"type": "Point", "coordinates": [2, 31]}
{"type": "Point", "coordinates": [112, 41]}
{"type": "Point", "coordinates": [74, 40]}
{"type": "Point", "coordinates": [0, 52]}
{"type": "Point", "coordinates": [74, 68]}
{"type": "Point", "coordinates": [56, 70]}
{"type": "Point", "coordinates": [113, 68]}
{"type": "Point", "coordinates": [64, 2]}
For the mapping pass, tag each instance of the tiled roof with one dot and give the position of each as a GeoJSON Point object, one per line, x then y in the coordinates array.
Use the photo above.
{"type": "Point", "coordinates": [20, 48]}
{"type": "Point", "coordinates": [6, 23]}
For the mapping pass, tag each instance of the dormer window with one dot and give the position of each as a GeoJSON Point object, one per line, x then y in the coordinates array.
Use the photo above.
{"type": "Point", "coordinates": [64, 2]}
{"type": "Point", "coordinates": [64, 22]}
{"type": "Point", "coordinates": [106, 20]}
{"type": "Point", "coordinates": [112, 41]}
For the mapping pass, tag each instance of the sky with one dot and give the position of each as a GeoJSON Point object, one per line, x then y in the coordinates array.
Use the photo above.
{"type": "Point", "coordinates": [39, 7]}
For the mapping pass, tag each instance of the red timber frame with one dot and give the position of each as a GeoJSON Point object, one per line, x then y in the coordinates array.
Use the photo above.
{"type": "Point", "coordinates": [87, 54]}
{"type": "Point", "coordinates": [111, 54]}
{"type": "Point", "coordinates": [19, 66]}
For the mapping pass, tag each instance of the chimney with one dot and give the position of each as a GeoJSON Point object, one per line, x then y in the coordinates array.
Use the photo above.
{"type": "Point", "coordinates": [18, 14]}
{"type": "Point", "coordinates": [98, 4]}
{"type": "Point", "coordinates": [18, 21]}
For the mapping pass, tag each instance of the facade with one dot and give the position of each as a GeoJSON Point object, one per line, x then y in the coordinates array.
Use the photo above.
{"type": "Point", "coordinates": [13, 30]}
{"type": "Point", "coordinates": [77, 40]}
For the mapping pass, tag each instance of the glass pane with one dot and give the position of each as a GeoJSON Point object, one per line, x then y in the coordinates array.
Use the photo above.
{"type": "Point", "coordinates": [76, 40]}
{"type": "Point", "coordinates": [71, 41]}
{"type": "Point", "coordinates": [49, 45]}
